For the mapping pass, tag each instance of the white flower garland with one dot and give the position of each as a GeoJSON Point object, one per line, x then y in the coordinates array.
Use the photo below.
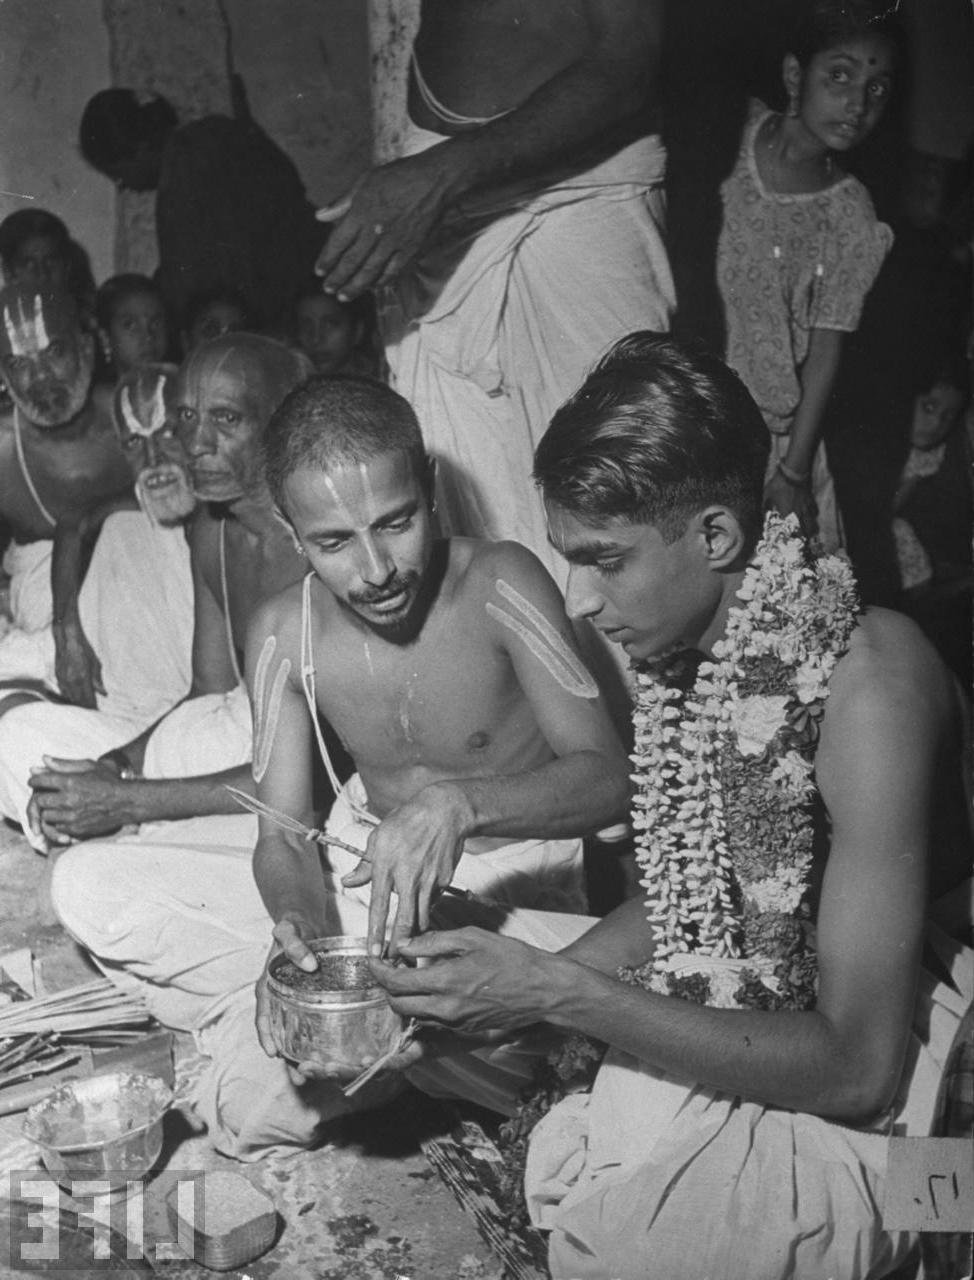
{"type": "Point", "coordinates": [755, 706]}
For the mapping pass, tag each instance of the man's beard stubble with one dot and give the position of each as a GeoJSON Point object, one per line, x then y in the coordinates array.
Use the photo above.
{"type": "Point", "coordinates": [167, 502]}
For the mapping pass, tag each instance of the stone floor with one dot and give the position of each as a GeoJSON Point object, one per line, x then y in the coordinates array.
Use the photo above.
{"type": "Point", "coordinates": [366, 1206]}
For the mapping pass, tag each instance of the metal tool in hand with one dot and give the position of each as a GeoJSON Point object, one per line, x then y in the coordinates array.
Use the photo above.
{"type": "Point", "coordinates": [314, 835]}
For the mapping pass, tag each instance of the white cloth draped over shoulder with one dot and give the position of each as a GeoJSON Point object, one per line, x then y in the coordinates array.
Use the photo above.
{"type": "Point", "coordinates": [493, 330]}
{"type": "Point", "coordinates": [136, 609]}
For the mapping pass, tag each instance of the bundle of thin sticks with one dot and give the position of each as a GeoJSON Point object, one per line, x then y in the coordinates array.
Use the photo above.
{"type": "Point", "coordinates": [90, 1007]}
{"type": "Point", "coordinates": [28, 1056]}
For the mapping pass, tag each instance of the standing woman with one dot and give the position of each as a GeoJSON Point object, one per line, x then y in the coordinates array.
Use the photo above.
{"type": "Point", "coordinates": [800, 245]}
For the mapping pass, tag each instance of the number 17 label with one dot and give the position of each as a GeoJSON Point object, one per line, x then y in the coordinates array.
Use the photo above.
{"type": "Point", "coordinates": [929, 1185]}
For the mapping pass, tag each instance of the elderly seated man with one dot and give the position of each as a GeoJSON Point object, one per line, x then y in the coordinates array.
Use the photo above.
{"type": "Point", "coordinates": [481, 745]}
{"type": "Point", "coordinates": [764, 1015]}
{"type": "Point", "coordinates": [101, 590]}
{"type": "Point", "coordinates": [240, 553]}
{"type": "Point", "coordinates": [60, 456]}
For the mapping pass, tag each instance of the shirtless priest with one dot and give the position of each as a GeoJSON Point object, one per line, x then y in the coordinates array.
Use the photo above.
{"type": "Point", "coordinates": [481, 744]}
{"type": "Point", "coordinates": [59, 456]}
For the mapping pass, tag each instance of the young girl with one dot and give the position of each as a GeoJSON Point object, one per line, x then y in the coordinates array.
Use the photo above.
{"type": "Point", "coordinates": [132, 325]}
{"type": "Point", "coordinates": [334, 334]}
{"type": "Point", "coordinates": [800, 246]}
{"type": "Point", "coordinates": [211, 314]}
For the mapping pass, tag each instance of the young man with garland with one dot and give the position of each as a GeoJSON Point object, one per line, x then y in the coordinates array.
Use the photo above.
{"type": "Point", "coordinates": [798, 791]}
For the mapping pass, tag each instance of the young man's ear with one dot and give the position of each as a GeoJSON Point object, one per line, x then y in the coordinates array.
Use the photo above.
{"type": "Point", "coordinates": [723, 538]}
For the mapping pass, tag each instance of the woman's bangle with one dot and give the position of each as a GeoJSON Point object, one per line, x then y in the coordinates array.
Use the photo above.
{"type": "Point", "coordinates": [793, 478]}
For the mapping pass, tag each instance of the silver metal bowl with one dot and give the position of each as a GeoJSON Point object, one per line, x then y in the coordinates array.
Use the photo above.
{"type": "Point", "coordinates": [106, 1127]}
{"type": "Point", "coordinates": [336, 1016]}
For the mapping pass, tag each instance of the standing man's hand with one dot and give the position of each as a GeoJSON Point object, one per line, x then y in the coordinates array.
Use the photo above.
{"type": "Point", "coordinates": [76, 665]}
{"type": "Point", "coordinates": [383, 222]}
{"type": "Point", "coordinates": [413, 853]}
{"type": "Point", "coordinates": [781, 495]}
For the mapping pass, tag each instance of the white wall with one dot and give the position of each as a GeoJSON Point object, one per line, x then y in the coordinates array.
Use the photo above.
{"type": "Point", "coordinates": [53, 57]}
{"type": "Point", "coordinates": [305, 63]}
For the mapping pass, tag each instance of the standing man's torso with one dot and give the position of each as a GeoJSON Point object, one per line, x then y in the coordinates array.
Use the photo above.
{"type": "Point", "coordinates": [482, 58]}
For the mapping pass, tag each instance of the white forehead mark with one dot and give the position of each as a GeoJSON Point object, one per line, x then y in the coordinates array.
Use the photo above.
{"type": "Point", "coordinates": [339, 501]}
{"type": "Point", "coordinates": [157, 411]}
{"type": "Point", "coordinates": [42, 339]}
{"type": "Point", "coordinates": [543, 641]}
{"type": "Point", "coordinates": [267, 706]}
{"type": "Point", "coordinates": [26, 334]}
{"type": "Point", "coordinates": [371, 509]}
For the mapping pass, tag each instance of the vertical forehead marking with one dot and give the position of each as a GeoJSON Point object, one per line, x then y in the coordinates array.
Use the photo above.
{"type": "Point", "coordinates": [27, 334]}
{"type": "Point", "coordinates": [370, 508]}
{"type": "Point", "coordinates": [267, 706]}
{"type": "Point", "coordinates": [339, 501]}
{"type": "Point", "coordinates": [40, 328]}
{"type": "Point", "coordinates": [543, 641]}
{"type": "Point", "coordinates": [12, 335]}
{"type": "Point", "coordinates": [156, 415]}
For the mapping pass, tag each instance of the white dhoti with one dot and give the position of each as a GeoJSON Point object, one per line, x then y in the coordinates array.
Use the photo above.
{"type": "Point", "coordinates": [489, 337]}
{"type": "Point", "coordinates": [652, 1176]}
{"type": "Point", "coordinates": [174, 912]}
{"type": "Point", "coordinates": [136, 609]}
{"type": "Point", "coordinates": [28, 566]}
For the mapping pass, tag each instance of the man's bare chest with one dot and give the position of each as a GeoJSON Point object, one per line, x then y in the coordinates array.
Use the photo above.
{"type": "Point", "coordinates": [436, 705]}
{"type": "Point", "coordinates": [35, 483]}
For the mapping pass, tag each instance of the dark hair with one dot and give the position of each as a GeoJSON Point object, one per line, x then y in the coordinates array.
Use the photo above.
{"type": "Point", "coordinates": [116, 127]}
{"type": "Point", "coordinates": [824, 24]}
{"type": "Point", "coordinates": [205, 298]}
{"type": "Point", "coordinates": [24, 224]}
{"type": "Point", "coordinates": [658, 430]}
{"type": "Point", "coordinates": [116, 289]}
{"type": "Point", "coordinates": [360, 309]}
{"type": "Point", "coordinates": [339, 419]}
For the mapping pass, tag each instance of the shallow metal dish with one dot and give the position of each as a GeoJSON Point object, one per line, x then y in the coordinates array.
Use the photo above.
{"type": "Point", "coordinates": [106, 1127]}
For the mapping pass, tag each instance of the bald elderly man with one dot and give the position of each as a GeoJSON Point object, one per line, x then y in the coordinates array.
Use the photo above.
{"type": "Point", "coordinates": [240, 554]}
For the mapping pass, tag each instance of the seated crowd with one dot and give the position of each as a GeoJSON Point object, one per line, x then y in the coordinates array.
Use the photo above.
{"type": "Point", "coordinates": [256, 689]}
